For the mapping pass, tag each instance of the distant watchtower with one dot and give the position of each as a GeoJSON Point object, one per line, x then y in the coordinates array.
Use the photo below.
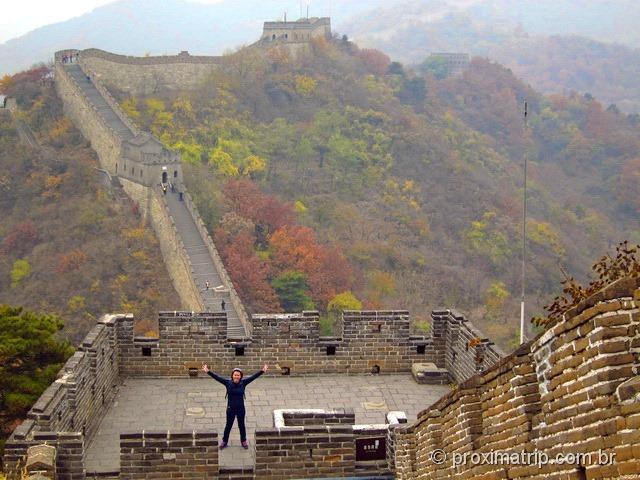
{"type": "Point", "coordinates": [299, 31]}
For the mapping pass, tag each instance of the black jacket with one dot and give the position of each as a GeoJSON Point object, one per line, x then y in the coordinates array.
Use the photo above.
{"type": "Point", "coordinates": [235, 391]}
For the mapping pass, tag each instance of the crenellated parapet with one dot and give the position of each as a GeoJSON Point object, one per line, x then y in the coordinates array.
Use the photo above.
{"type": "Point", "coordinates": [565, 405]}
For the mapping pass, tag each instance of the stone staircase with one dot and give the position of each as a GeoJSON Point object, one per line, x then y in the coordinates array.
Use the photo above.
{"type": "Point", "coordinates": [94, 96]}
{"type": "Point", "coordinates": [203, 267]}
{"type": "Point", "coordinates": [215, 298]}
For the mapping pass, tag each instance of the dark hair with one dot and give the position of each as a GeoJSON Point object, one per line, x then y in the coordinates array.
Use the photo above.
{"type": "Point", "coordinates": [237, 370]}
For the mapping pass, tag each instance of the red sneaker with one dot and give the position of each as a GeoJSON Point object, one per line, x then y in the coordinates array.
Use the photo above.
{"type": "Point", "coordinates": [245, 445]}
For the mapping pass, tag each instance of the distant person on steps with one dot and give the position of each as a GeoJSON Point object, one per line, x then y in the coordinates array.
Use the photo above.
{"type": "Point", "coordinates": [235, 400]}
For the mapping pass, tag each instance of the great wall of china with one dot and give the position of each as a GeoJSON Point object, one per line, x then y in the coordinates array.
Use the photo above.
{"type": "Point", "coordinates": [573, 390]}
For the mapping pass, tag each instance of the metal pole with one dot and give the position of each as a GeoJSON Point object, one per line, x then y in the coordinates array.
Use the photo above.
{"type": "Point", "coordinates": [524, 229]}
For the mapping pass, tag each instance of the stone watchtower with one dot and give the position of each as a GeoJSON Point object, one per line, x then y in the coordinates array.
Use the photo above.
{"type": "Point", "coordinates": [299, 31]}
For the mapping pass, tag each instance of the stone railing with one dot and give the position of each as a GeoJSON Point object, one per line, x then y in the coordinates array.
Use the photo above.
{"type": "Point", "coordinates": [219, 264]}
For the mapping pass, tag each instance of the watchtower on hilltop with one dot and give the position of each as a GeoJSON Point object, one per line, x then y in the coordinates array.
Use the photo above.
{"type": "Point", "coordinates": [301, 30]}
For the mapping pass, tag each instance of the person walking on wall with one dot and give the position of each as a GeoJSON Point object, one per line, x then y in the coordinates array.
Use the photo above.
{"type": "Point", "coordinates": [235, 400]}
{"type": "Point", "coordinates": [222, 304]}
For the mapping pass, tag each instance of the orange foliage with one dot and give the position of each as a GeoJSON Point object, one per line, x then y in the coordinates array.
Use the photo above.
{"type": "Point", "coordinates": [374, 60]}
{"type": "Point", "coordinates": [248, 273]}
{"type": "Point", "coordinates": [628, 191]}
{"type": "Point", "coordinates": [327, 270]}
{"type": "Point", "coordinates": [21, 239]}
{"type": "Point", "coordinates": [70, 261]}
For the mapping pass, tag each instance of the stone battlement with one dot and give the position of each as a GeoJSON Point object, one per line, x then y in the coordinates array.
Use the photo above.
{"type": "Point", "coordinates": [572, 392]}
{"type": "Point", "coordinates": [370, 341]}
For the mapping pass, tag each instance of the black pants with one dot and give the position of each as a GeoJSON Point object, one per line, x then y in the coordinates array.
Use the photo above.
{"type": "Point", "coordinates": [231, 415]}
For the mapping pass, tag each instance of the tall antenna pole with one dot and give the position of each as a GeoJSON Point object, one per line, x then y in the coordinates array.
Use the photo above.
{"type": "Point", "coordinates": [524, 228]}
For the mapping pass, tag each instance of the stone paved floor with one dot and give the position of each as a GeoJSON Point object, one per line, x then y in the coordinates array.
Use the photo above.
{"type": "Point", "coordinates": [199, 404]}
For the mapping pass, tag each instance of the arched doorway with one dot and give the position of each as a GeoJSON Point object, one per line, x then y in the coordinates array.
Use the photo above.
{"type": "Point", "coordinates": [164, 177]}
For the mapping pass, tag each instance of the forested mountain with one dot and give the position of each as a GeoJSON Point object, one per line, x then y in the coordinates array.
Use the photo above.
{"type": "Point", "coordinates": [554, 57]}
{"type": "Point", "coordinates": [339, 172]}
{"type": "Point", "coordinates": [557, 46]}
{"type": "Point", "coordinates": [66, 245]}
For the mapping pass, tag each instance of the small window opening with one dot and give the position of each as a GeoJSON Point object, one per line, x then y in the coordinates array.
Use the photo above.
{"type": "Point", "coordinates": [146, 351]}
{"type": "Point", "coordinates": [376, 369]}
{"type": "Point", "coordinates": [239, 351]}
{"type": "Point", "coordinates": [286, 370]}
{"type": "Point", "coordinates": [421, 349]}
{"type": "Point", "coordinates": [331, 350]}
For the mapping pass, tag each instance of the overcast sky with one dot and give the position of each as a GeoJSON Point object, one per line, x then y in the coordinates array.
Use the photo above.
{"type": "Point", "coordinates": [18, 17]}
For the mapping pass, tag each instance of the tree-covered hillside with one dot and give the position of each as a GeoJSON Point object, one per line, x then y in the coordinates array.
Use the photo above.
{"type": "Point", "coordinates": [67, 246]}
{"type": "Point", "coordinates": [411, 186]}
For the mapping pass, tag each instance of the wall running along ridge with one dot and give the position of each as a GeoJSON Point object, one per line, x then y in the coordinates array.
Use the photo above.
{"type": "Point", "coordinates": [149, 75]}
{"type": "Point", "coordinates": [573, 390]}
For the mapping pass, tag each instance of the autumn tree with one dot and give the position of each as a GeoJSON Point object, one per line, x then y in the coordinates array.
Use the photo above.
{"type": "Point", "coordinates": [375, 61]}
{"type": "Point", "coordinates": [250, 274]}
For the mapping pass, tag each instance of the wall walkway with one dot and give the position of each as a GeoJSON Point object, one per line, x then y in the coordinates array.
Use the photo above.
{"type": "Point", "coordinates": [99, 118]}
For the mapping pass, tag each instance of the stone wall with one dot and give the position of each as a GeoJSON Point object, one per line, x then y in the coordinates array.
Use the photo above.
{"type": "Point", "coordinates": [69, 453]}
{"type": "Point", "coordinates": [305, 452]}
{"type": "Point", "coordinates": [288, 341]}
{"type": "Point", "coordinates": [466, 350]}
{"type": "Point", "coordinates": [105, 141]}
{"type": "Point", "coordinates": [153, 206]}
{"type": "Point", "coordinates": [149, 75]}
{"type": "Point", "coordinates": [160, 455]}
{"type": "Point", "coordinates": [570, 398]}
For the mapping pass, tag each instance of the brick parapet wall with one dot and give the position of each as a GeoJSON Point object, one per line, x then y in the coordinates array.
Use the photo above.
{"type": "Point", "coordinates": [168, 454]}
{"type": "Point", "coordinates": [313, 451]}
{"type": "Point", "coordinates": [288, 341]}
{"type": "Point", "coordinates": [182, 339]}
{"type": "Point", "coordinates": [462, 348]}
{"type": "Point", "coordinates": [573, 390]}
{"type": "Point", "coordinates": [70, 449]}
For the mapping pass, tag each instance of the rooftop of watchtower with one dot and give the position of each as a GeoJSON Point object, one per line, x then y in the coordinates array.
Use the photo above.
{"type": "Point", "coordinates": [197, 404]}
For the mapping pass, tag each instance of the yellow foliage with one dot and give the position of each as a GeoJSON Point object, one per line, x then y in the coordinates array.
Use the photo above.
{"type": "Point", "coordinates": [381, 284]}
{"type": "Point", "coordinates": [133, 233]}
{"type": "Point", "coordinates": [154, 105]}
{"type": "Point", "coordinates": [130, 107]}
{"type": "Point", "coordinates": [5, 83]}
{"type": "Point", "coordinates": [141, 256]}
{"type": "Point", "coordinates": [300, 207]}
{"type": "Point", "coordinates": [305, 85]}
{"type": "Point", "coordinates": [60, 128]}
{"type": "Point", "coordinates": [254, 164]}
{"type": "Point", "coordinates": [545, 235]}
{"type": "Point", "coordinates": [495, 296]}
{"type": "Point", "coordinates": [223, 163]}
{"type": "Point", "coordinates": [76, 303]}
{"type": "Point", "coordinates": [52, 184]}
{"type": "Point", "coordinates": [183, 106]}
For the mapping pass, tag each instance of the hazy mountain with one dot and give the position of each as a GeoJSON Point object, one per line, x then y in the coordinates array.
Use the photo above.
{"type": "Point", "coordinates": [557, 63]}
{"type": "Point", "coordinates": [602, 20]}
{"type": "Point", "coordinates": [137, 27]}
